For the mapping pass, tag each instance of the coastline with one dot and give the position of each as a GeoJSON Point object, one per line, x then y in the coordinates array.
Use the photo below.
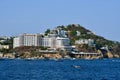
{"type": "Point", "coordinates": [55, 56]}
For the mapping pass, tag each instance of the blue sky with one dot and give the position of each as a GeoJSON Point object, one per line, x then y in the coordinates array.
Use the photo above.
{"type": "Point", "coordinates": [35, 16]}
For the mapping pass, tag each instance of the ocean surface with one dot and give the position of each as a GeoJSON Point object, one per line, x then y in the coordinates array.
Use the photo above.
{"type": "Point", "coordinates": [64, 69]}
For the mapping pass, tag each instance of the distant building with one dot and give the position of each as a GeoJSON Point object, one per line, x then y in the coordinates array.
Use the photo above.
{"type": "Point", "coordinates": [61, 33]}
{"type": "Point", "coordinates": [52, 40]}
{"type": "Point", "coordinates": [4, 46]}
{"type": "Point", "coordinates": [90, 42]}
{"type": "Point", "coordinates": [2, 41]}
{"type": "Point", "coordinates": [16, 42]}
{"type": "Point", "coordinates": [4, 37]}
{"type": "Point", "coordinates": [48, 42]}
{"type": "Point", "coordinates": [55, 42]}
{"type": "Point", "coordinates": [55, 39]}
{"type": "Point", "coordinates": [91, 32]}
{"type": "Point", "coordinates": [78, 33]}
{"type": "Point", "coordinates": [62, 42]}
{"type": "Point", "coordinates": [27, 40]}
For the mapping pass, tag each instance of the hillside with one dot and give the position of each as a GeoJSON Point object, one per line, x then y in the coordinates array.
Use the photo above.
{"type": "Point", "coordinates": [74, 32]}
{"type": "Point", "coordinates": [71, 30]}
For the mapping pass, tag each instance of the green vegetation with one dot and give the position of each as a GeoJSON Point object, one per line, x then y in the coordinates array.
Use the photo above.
{"type": "Point", "coordinates": [86, 48]}
{"type": "Point", "coordinates": [47, 31]}
{"type": "Point", "coordinates": [73, 33]}
{"type": "Point", "coordinates": [9, 42]}
{"type": "Point", "coordinates": [4, 50]}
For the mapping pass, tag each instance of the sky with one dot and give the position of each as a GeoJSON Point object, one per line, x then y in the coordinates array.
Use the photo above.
{"type": "Point", "coordinates": [35, 16]}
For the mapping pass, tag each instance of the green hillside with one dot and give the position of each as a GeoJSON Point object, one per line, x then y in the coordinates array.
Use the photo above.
{"type": "Point", "coordinates": [71, 31]}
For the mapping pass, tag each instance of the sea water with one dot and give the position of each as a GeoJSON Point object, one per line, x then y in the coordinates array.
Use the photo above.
{"type": "Point", "coordinates": [63, 69]}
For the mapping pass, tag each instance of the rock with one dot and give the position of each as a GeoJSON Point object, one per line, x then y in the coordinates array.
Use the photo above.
{"type": "Point", "coordinates": [1, 55]}
{"type": "Point", "coordinates": [110, 55]}
{"type": "Point", "coordinates": [116, 56]}
{"type": "Point", "coordinates": [9, 55]}
{"type": "Point", "coordinates": [52, 55]}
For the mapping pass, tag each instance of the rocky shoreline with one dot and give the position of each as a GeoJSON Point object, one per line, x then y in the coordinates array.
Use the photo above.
{"type": "Point", "coordinates": [28, 55]}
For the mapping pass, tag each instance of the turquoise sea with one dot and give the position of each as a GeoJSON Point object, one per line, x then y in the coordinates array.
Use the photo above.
{"type": "Point", "coordinates": [64, 69]}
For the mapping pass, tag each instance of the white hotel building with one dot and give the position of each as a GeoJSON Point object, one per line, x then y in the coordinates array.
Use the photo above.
{"type": "Point", "coordinates": [27, 40]}
{"type": "Point", "coordinates": [37, 40]}
{"type": "Point", "coordinates": [53, 40]}
{"type": "Point", "coordinates": [48, 42]}
{"type": "Point", "coordinates": [62, 42]}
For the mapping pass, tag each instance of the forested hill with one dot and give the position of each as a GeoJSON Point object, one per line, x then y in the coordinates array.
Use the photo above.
{"type": "Point", "coordinates": [72, 29]}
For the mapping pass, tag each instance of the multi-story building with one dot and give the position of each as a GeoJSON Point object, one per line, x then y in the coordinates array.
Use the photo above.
{"type": "Point", "coordinates": [16, 42]}
{"type": "Point", "coordinates": [48, 42]}
{"type": "Point", "coordinates": [27, 40]}
{"type": "Point", "coordinates": [62, 42]}
{"type": "Point", "coordinates": [53, 40]}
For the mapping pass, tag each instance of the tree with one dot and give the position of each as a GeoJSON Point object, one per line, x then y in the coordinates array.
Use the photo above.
{"type": "Point", "coordinates": [47, 31]}
{"type": "Point", "coordinates": [73, 33]}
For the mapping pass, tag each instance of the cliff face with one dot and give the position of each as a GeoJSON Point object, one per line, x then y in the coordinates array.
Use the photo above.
{"type": "Point", "coordinates": [7, 55]}
{"type": "Point", "coordinates": [49, 55]}
{"type": "Point", "coordinates": [110, 55]}
{"type": "Point", "coordinates": [1, 55]}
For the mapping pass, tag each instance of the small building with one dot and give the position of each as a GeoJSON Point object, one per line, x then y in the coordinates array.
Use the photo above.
{"type": "Point", "coordinates": [4, 46]}
{"type": "Point", "coordinates": [2, 41]}
{"type": "Point", "coordinates": [78, 33]}
{"type": "Point", "coordinates": [61, 33]}
{"type": "Point", "coordinates": [90, 42]}
{"type": "Point", "coordinates": [4, 37]}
